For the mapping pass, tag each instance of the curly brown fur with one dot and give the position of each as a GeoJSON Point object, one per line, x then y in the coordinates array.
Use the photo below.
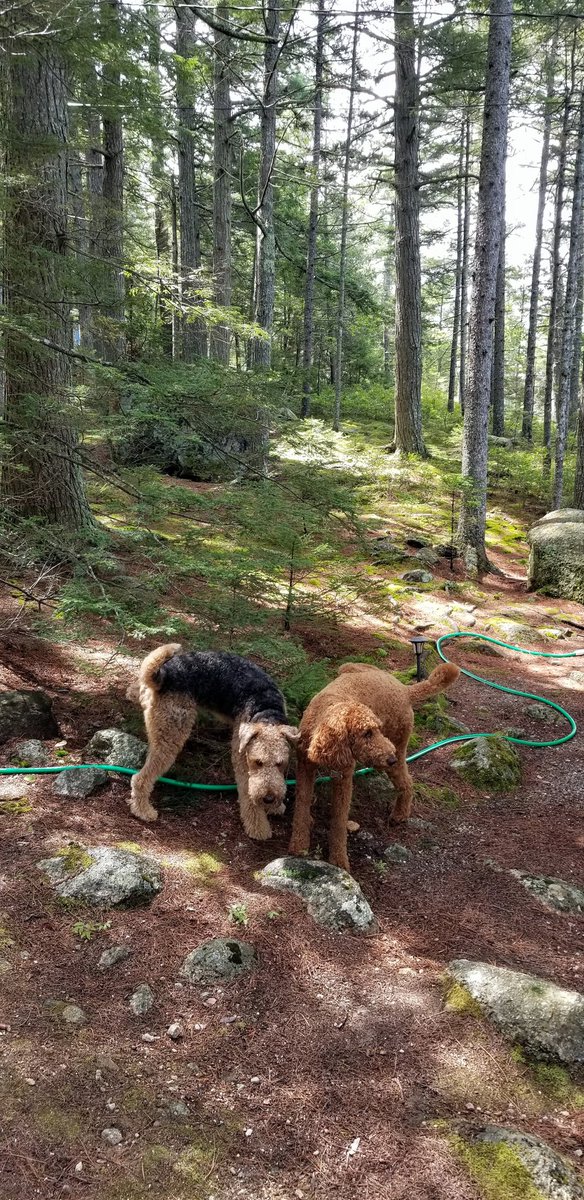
{"type": "Point", "coordinates": [365, 715]}
{"type": "Point", "coordinates": [169, 686]}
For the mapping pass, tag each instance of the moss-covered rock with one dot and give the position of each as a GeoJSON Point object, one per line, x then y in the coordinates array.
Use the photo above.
{"type": "Point", "coordinates": [556, 557]}
{"type": "Point", "coordinates": [508, 1165]}
{"type": "Point", "coordinates": [491, 764]}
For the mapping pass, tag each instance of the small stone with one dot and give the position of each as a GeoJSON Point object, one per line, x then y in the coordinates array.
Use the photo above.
{"type": "Point", "coordinates": [396, 854]}
{"type": "Point", "coordinates": [175, 1031]}
{"type": "Point", "coordinates": [218, 958]}
{"type": "Point", "coordinates": [112, 1136]}
{"type": "Point", "coordinates": [178, 1108]}
{"type": "Point", "coordinates": [78, 1167]}
{"type": "Point", "coordinates": [141, 1000]}
{"type": "Point", "coordinates": [15, 787]}
{"type": "Point", "coordinates": [104, 875]}
{"type": "Point", "coordinates": [150, 1037]}
{"type": "Point", "coordinates": [61, 1010]}
{"type": "Point", "coordinates": [31, 753]}
{"type": "Point", "coordinates": [31, 1082]}
{"type": "Point", "coordinates": [113, 955]}
{"type": "Point", "coordinates": [418, 577]}
{"type": "Point", "coordinates": [255, 1079]}
{"type": "Point", "coordinates": [79, 784]}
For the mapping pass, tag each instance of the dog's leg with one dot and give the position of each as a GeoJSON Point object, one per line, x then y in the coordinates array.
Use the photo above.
{"type": "Point", "coordinates": [340, 805]}
{"type": "Point", "coordinates": [402, 781]}
{"type": "Point", "coordinates": [169, 721]}
{"type": "Point", "coordinates": [253, 816]}
{"type": "Point", "coordinates": [302, 821]}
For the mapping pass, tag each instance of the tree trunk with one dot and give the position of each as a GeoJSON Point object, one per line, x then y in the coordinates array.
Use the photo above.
{"type": "Point", "coordinates": [193, 332]}
{"type": "Point", "coordinates": [570, 305]}
{"type": "Point", "coordinates": [579, 478]}
{"type": "Point", "coordinates": [308, 344]}
{"type": "Point", "coordinates": [265, 276]}
{"type": "Point", "coordinates": [389, 316]}
{"type": "Point", "coordinates": [43, 478]}
{"type": "Point", "coordinates": [529, 391]}
{"type": "Point", "coordinates": [465, 271]}
{"type": "Point", "coordinates": [112, 241]}
{"type": "Point", "coordinates": [345, 229]}
{"type": "Point", "coordinates": [498, 372]}
{"type": "Point", "coordinates": [556, 281]}
{"type": "Point", "coordinates": [408, 299]}
{"type": "Point", "coordinates": [160, 187]}
{"type": "Point", "coordinates": [458, 275]}
{"type": "Point", "coordinates": [577, 353]}
{"type": "Point", "coordinates": [471, 531]}
{"type": "Point", "coordinates": [221, 334]}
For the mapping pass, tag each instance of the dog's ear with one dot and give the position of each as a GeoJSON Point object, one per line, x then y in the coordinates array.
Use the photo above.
{"type": "Point", "coordinates": [247, 731]}
{"type": "Point", "coordinates": [329, 745]}
{"type": "Point", "coordinates": [361, 721]}
{"type": "Point", "coordinates": [133, 690]}
{"type": "Point", "coordinates": [291, 733]}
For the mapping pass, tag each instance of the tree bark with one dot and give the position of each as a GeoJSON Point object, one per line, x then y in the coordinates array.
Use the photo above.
{"type": "Point", "coordinates": [529, 390]}
{"type": "Point", "coordinates": [162, 203]}
{"type": "Point", "coordinates": [408, 297]}
{"type": "Point", "coordinates": [556, 282]}
{"type": "Point", "coordinates": [42, 478]}
{"type": "Point", "coordinates": [338, 371]}
{"type": "Point", "coordinates": [193, 332]}
{"type": "Point", "coordinates": [579, 477]}
{"type": "Point", "coordinates": [389, 316]}
{"type": "Point", "coordinates": [465, 270]}
{"type": "Point", "coordinates": [577, 352]}
{"type": "Point", "coordinates": [309, 286]}
{"type": "Point", "coordinates": [458, 274]}
{"type": "Point", "coordinates": [112, 240]}
{"type": "Point", "coordinates": [221, 334]}
{"type": "Point", "coordinates": [498, 372]}
{"type": "Point", "coordinates": [471, 531]}
{"type": "Point", "coordinates": [265, 276]}
{"type": "Point", "coordinates": [570, 306]}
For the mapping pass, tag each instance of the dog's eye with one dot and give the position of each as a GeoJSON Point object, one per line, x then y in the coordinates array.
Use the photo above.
{"type": "Point", "coordinates": [258, 762]}
{"type": "Point", "coordinates": [368, 733]}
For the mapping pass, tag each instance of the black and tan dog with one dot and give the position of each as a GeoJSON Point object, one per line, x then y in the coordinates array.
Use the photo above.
{"type": "Point", "coordinates": [171, 685]}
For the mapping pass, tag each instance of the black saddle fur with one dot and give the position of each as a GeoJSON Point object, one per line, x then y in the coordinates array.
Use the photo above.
{"type": "Point", "coordinates": [227, 684]}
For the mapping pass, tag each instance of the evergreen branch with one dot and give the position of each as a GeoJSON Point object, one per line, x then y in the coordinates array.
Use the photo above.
{"type": "Point", "coordinates": [241, 35]}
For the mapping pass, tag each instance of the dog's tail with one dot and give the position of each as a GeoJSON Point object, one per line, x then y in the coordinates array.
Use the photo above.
{"type": "Point", "coordinates": [442, 677]}
{"type": "Point", "coordinates": [151, 665]}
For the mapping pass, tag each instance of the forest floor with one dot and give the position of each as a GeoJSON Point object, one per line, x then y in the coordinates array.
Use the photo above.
{"type": "Point", "coordinates": [334, 1069]}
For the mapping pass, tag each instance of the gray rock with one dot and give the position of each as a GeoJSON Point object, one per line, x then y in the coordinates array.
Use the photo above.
{"type": "Point", "coordinates": [417, 576]}
{"type": "Point", "coordinates": [396, 854]}
{"type": "Point", "coordinates": [427, 556]}
{"type": "Point", "coordinates": [541, 712]}
{"type": "Point", "coordinates": [514, 633]}
{"type": "Point", "coordinates": [505, 443]}
{"type": "Point", "coordinates": [110, 877]}
{"type": "Point", "coordinates": [218, 959]}
{"type": "Point", "coordinates": [551, 1174]}
{"type": "Point", "coordinates": [142, 1000]}
{"type": "Point", "coordinates": [61, 1010]}
{"type": "Point", "coordinates": [116, 748]}
{"type": "Point", "coordinates": [31, 753]}
{"type": "Point", "coordinates": [332, 896]}
{"type": "Point", "coordinates": [26, 714]}
{"type": "Point", "coordinates": [554, 893]}
{"type": "Point", "coordinates": [491, 764]}
{"type": "Point", "coordinates": [447, 550]}
{"type": "Point", "coordinates": [175, 1031]}
{"type": "Point", "coordinates": [556, 556]}
{"type": "Point", "coordinates": [15, 787]}
{"type": "Point", "coordinates": [113, 1136]}
{"type": "Point", "coordinates": [78, 784]}
{"type": "Point", "coordinates": [178, 1109]}
{"type": "Point", "coordinates": [546, 1019]}
{"type": "Point", "coordinates": [113, 955]}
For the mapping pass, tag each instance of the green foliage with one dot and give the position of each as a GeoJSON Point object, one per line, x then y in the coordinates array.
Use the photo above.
{"type": "Point", "coordinates": [238, 914]}
{"type": "Point", "coordinates": [85, 930]}
{"type": "Point", "coordinates": [496, 1169]}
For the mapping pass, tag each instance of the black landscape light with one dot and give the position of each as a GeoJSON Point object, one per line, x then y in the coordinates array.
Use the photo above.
{"type": "Point", "coordinates": [418, 643]}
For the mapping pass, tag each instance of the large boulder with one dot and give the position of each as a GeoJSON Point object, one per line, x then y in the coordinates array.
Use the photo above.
{"type": "Point", "coordinates": [331, 895]}
{"type": "Point", "coordinates": [491, 764]}
{"type": "Point", "coordinates": [546, 1019]}
{"type": "Point", "coordinates": [237, 448]}
{"type": "Point", "coordinates": [103, 875]}
{"type": "Point", "coordinates": [26, 714]}
{"type": "Point", "coordinates": [554, 893]}
{"type": "Point", "coordinates": [556, 556]}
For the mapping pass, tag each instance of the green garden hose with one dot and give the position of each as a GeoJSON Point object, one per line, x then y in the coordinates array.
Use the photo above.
{"type": "Point", "coordinates": [460, 737]}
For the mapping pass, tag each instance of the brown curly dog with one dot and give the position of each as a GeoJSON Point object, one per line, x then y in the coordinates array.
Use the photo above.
{"type": "Point", "coordinates": [365, 715]}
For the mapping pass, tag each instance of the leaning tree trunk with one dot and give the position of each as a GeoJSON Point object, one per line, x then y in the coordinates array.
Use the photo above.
{"type": "Point", "coordinates": [498, 371]}
{"type": "Point", "coordinates": [471, 531]}
{"type": "Point", "coordinates": [42, 478]}
{"type": "Point", "coordinates": [458, 276]}
{"type": "Point", "coordinates": [308, 342]}
{"type": "Point", "coordinates": [408, 286]}
{"type": "Point", "coordinates": [529, 391]}
{"type": "Point", "coordinates": [193, 332]}
{"type": "Point", "coordinates": [465, 258]}
{"type": "Point", "coordinates": [556, 283]}
{"type": "Point", "coordinates": [112, 240]}
{"type": "Point", "coordinates": [265, 274]}
{"type": "Point", "coordinates": [570, 306]}
{"type": "Point", "coordinates": [221, 334]}
{"type": "Point", "coordinates": [345, 229]}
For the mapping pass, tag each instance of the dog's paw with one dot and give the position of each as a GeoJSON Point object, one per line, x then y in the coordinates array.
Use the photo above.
{"type": "Point", "coordinates": [340, 860]}
{"type": "Point", "coordinates": [143, 811]}
{"type": "Point", "coordinates": [298, 849]}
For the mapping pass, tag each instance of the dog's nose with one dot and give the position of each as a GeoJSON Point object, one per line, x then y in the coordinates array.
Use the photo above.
{"type": "Point", "coordinates": [391, 760]}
